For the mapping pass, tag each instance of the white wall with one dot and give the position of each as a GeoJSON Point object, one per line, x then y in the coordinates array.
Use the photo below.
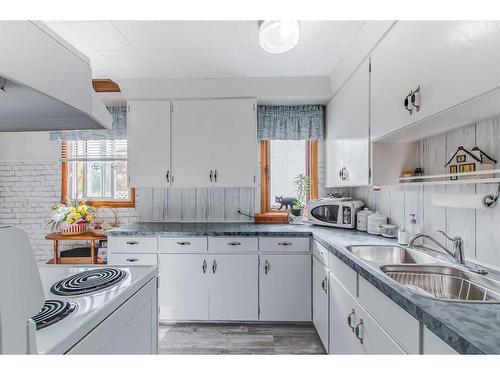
{"type": "Point", "coordinates": [28, 146]}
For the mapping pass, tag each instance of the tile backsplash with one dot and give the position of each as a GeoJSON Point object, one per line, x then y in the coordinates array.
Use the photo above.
{"type": "Point", "coordinates": [480, 228]}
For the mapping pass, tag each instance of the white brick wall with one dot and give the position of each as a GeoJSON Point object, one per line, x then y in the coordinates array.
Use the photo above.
{"type": "Point", "coordinates": [28, 189]}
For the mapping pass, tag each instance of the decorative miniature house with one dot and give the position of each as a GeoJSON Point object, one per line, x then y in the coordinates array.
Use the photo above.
{"type": "Point", "coordinates": [474, 160]}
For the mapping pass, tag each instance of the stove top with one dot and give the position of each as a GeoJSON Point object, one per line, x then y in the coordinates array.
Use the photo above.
{"type": "Point", "coordinates": [88, 281]}
{"type": "Point", "coordinates": [52, 312]}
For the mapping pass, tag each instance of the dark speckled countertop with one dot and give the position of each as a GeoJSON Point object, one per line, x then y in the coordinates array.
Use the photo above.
{"type": "Point", "coordinates": [467, 327]}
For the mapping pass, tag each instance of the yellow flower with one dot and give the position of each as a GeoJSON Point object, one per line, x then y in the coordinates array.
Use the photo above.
{"type": "Point", "coordinates": [89, 218]}
{"type": "Point", "coordinates": [69, 220]}
{"type": "Point", "coordinates": [77, 216]}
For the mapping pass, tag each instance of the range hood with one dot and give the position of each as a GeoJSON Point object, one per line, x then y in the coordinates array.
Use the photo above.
{"type": "Point", "coordinates": [45, 84]}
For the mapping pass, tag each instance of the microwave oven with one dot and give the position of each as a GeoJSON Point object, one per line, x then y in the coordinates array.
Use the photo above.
{"type": "Point", "coordinates": [334, 213]}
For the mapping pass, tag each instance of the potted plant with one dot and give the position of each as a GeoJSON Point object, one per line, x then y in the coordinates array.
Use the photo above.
{"type": "Point", "coordinates": [72, 217]}
{"type": "Point", "coordinates": [303, 184]}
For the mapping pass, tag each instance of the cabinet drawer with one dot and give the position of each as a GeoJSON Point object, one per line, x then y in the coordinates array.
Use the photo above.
{"type": "Point", "coordinates": [183, 244]}
{"type": "Point", "coordinates": [346, 275]}
{"type": "Point", "coordinates": [232, 244]}
{"type": "Point", "coordinates": [403, 328]}
{"type": "Point", "coordinates": [133, 244]}
{"type": "Point", "coordinates": [132, 259]}
{"type": "Point", "coordinates": [284, 244]}
{"type": "Point", "coordinates": [321, 253]}
{"type": "Point", "coordinates": [431, 344]}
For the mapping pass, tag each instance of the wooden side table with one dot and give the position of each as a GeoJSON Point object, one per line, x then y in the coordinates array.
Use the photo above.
{"type": "Point", "coordinates": [88, 236]}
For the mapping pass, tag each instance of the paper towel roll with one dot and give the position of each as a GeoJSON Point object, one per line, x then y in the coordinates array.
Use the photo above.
{"type": "Point", "coordinates": [475, 201]}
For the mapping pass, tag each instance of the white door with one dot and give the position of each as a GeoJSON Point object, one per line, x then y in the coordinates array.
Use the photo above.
{"type": "Point", "coordinates": [148, 143]}
{"type": "Point", "coordinates": [192, 146]}
{"type": "Point", "coordinates": [320, 300]}
{"type": "Point", "coordinates": [183, 291]}
{"type": "Point", "coordinates": [285, 287]}
{"type": "Point", "coordinates": [233, 291]}
{"type": "Point", "coordinates": [234, 142]}
{"type": "Point", "coordinates": [455, 61]}
{"type": "Point", "coordinates": [392, 78]}
{"type": "Point", "coordinates": [365, 337]}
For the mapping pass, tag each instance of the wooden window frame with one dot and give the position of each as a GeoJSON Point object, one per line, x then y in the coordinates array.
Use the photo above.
{"type": "Point", "coordinates": [311, 171]}
{"type": "Point", "coordinates": [94, 203]}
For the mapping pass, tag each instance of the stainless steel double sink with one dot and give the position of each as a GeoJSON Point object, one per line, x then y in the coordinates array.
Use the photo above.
{"type": "Point", "coordinates": [428, 276]}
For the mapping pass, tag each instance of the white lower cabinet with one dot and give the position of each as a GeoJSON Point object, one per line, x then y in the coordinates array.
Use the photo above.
{"type": "Point", "coordinates": [431, 344]}
{"type": "Point", "coordinates": [183, 291]}
{"type": "Point", "coordinates": [233, 291]}
{"type": "Point", "coordinates": [352, 329]}
{"type": "Point", "coordinates": [285, 287]}
{"type": "Point", "coordinates": [320, 300]}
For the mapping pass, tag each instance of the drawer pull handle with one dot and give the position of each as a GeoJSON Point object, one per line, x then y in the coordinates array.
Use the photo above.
{"type": "Point", "coordinates": [234, 243]}
{"type": "Point", "coordinates": [183, 243]}
{"type": "Point", "coordinates": [285, 243]}
{"type": "Point", "coordinates": [358, 331]}
{"type": "Point", "coordinates": [204, 266]}
{"type": "Point", "coordinates": [132, 242]}
{"type": "Point", "coordinates": [267, 267]}
{"type": "Point", "coordinates": [349, 319]}
{"type": "Point", "coordinates": [132, 260]}
{"type": "Point", "coordinates": [324, 285]}
{"type": "Point", "coordinates": [214, 266]}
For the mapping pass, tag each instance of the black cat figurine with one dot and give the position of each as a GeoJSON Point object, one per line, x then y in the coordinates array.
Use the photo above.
{"type": "Point", "coordinates": [286, 202]}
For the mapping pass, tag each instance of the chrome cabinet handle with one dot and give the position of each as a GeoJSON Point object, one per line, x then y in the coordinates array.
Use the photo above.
{"type": "Point", "coordinates": [406, 102]}
{"type": "Point", "coordinates": [234, 243]}
{"type": "Point", "coordinates": [324, 285]}
{"type": "Point", "coordinates": [415, 98]}
{"type": "Point", "coordinates": [168, 176]}
{"type": "Point", "coordinates": [215, 176]}
{"type": "Point", "coordinates": [214, 266]}
{"type": "Point", "coordinates": [132, 260]}
{"type": "Point", "coordinates": [267, 267]}
{"type": "Point", "coordinates": [132, 242]}
{"type": "Point", "coordinates": [204, 266]}
{"type": "Point", "coordinates": [211, 175]}
{"type": "Point", "coordinates": [285, 243]}
{"type": "Point", "coordinates": [358, 331]}
{"type": "Point", "coordinates": [345, 174]}
{"type": "Point", "coordinates": [340, 173]}
{"type": "Point", "coordinates": [183, 243]}
{"type": "Point", "coordinates": [349, 319]}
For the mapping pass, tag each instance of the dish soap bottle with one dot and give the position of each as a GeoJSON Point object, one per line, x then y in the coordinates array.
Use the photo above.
{"type": "Point", "coordinates": [403, 235]}
{"type": "Point", "coordinates": [412, 226]}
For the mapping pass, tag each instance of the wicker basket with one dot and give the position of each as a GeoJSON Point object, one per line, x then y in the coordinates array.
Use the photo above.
{"type": "Point", "coordinates": [74, 229]}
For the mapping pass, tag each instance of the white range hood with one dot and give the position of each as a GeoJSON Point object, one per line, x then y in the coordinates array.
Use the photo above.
{"type": "Point", "coordinates": [45, 83]}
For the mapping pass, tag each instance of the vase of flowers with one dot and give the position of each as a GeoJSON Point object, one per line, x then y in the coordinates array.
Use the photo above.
{"type": "Point", "coordinates": [71, 218]}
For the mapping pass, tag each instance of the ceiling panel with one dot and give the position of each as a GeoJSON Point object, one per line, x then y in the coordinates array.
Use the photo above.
{"type": "Point", "coordinates": [203, 49]}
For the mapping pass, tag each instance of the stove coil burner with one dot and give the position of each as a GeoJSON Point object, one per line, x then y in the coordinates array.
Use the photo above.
{"type": "Point", "coordinates": [88, 281]}
{"type": "Point", "coordinates": [52, 312]}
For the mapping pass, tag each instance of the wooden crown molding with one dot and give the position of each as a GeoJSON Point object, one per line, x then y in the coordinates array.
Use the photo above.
{"type": "Point", "coordinates": [105, 85]}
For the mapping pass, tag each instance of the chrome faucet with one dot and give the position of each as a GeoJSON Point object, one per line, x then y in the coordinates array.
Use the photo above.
{"type": "Point", "coordinates": [458, 249]}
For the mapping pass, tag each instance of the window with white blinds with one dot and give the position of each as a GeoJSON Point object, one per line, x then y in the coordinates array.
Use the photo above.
{"type": "Point", "coordinates": [97, 170]}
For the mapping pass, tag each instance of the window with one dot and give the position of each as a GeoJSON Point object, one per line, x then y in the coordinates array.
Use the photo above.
{"type": "Point", "coordinates": [281, 162]}
{"type": "Point", "coordinates": [96, 171]}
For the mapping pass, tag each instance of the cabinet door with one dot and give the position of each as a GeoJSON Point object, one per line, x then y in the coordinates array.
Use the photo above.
{"type": "Point", "coordinates": [234, 142]}
{"type": "Point", "coordinates": [368, 338]}
{"type": "Point", "coordinates": [285, 287]}
{"type": "Point", "coordinates": [233, 291]}
{"type": "Point", "coordinates": [455, 61]}
{"type": "Point", "coordinates": [192, 148]}
{"type": "Point", "coordinates": [392, 78]}
{"type": "Point", "coordinates": [183, 291]}
{"type": "Point", "coordinates": [320, 300]}
{"type": "Point", "coordinates": [148, 143]}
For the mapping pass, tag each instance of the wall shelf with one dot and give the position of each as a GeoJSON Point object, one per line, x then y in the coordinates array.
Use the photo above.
{"type": "Point", "coordinates": [443, 179]}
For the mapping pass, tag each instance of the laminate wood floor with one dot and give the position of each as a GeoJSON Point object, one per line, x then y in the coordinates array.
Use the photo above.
{"type": "Point", "coordinates": [238, 338]}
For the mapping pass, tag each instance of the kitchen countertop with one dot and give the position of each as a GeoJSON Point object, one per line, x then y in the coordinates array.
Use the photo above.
{"type": "Point", "coordinates": [469, 328]}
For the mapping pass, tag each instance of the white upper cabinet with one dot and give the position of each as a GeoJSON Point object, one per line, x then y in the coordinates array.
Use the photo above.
{"type": "Point", "coordinates": [214, 142]}
{"type": "Point", "coordinates": [148, 139]}
{"type": "Point", "coordinates": [347, 132]}
{"type": "Point", "coordinates": [451, 61]}
{"type": "Point", "coordinates": [192, 148]}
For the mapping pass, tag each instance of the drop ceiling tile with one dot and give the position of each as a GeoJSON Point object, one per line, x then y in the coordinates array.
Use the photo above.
{"type": "Point", "coordinates": [262, 59]}
{"type": "Point", "coordinates": [165, 64]}
{"type": "Point", "coordinates": [98, 62]}
{"type": "Point", "coordinates": [69, 34]}
{"type": "Point", "coordinates": [185, 34]}
{"type": "Point", "coordinates": [227, 34]}
{"type": "Point", "coordinates": [131, 63]}
{"type": "Point", "coordinates": [102, 34]}
{"type": "Point", "coordinates": [314, 56]}
{"type": "Point", "coordinates": [146, 35]}
{"type": "Point", "coordinates": [328, 33]}
{"type": "Point", "coordinates": [199, 63]}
